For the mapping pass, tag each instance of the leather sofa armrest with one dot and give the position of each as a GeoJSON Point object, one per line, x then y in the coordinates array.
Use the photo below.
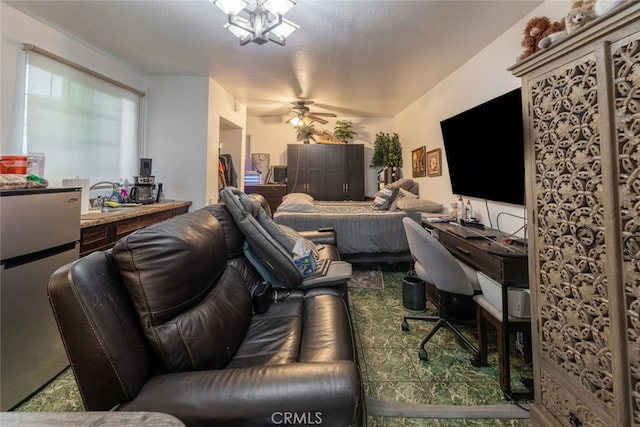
{"type": "Point", "coordinates": [316, 393]}
{"type": "Point", "coordinates": [323, 236]}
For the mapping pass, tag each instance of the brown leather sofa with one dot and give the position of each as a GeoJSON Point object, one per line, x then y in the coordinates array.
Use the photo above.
{"type": "Point", "coordinates": [164, 322]}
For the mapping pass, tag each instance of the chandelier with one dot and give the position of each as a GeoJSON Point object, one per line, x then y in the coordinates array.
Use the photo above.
{"type": "Point", "coordinates": [258, 21]}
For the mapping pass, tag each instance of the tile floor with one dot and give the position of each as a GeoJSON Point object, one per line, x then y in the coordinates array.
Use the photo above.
{"type": "Point", "coordinates": [390, 365]}
{"type": "Point", "coordinates": [392, 370]}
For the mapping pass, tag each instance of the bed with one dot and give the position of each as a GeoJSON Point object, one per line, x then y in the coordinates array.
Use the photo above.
{"type": "Point", "coordinates": [364, 234]}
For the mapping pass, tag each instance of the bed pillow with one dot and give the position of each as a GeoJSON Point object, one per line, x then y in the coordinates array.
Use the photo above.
{"type": "Point", "coordinates": [384, 198]}
{"type": "Point", "coordinates": [402, 193]}
{"type": "Point", "coordinates": [303, 196]}
{"type": "Point", "coordinates": [419, 205]}
{"type": "Point", "coordinates": [297, 204]}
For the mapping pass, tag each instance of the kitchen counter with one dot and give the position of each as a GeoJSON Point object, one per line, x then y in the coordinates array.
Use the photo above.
{"type": "Point", "coordinates": [101, 230]}
{"type": "Point", "coordinates": [99, 218]}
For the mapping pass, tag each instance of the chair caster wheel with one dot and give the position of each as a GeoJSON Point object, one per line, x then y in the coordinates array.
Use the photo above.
{"type": "Point", "coordinates": [405, 326]}
{"type": "Point", "coordinates": [422, 354]}
{"type": "Point", "coordinates": [475, 361]}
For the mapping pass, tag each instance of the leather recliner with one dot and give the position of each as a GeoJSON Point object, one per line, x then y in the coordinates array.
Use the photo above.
{"type": "Point", "coordinates": [164, 322]}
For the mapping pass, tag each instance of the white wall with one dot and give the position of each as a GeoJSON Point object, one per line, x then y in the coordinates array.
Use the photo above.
{"type": "Point", "coordinates": [176, 135]}
{"type": "Point", "coordinates": [271, 135]}
{"type": "Point", "coordinates": [183, 135]}
{"type": "Point", "coordinates": [482, 78]}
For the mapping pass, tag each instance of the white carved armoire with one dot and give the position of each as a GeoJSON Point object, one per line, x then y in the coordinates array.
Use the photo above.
{"type": "Point", "coordinates": [581, 101]}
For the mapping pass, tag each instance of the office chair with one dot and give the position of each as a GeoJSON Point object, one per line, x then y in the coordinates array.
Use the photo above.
{"type": "Point", "coordinates": [435, 264]}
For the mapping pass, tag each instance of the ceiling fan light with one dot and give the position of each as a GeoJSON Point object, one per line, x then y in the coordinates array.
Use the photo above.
{"type": "Point", "coordinates": [278, 6]}
{"type": "Point", "coordinates": [284, 29]}
{"type": "Point", "coordinates": [231, 7]}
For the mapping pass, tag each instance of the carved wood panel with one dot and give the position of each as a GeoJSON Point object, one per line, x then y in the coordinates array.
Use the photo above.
{"type": "Point", "coordinates": [626, 75]}
{"type": "Point", "coordinates": [573, 295]}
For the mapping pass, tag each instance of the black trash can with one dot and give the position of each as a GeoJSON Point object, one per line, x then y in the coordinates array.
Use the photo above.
{"type": "Point", "coordinates": [413, 293]}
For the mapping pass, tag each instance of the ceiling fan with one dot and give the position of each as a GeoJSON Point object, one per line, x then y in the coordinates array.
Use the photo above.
{"type": "Point", "coordinates": [302, 115]}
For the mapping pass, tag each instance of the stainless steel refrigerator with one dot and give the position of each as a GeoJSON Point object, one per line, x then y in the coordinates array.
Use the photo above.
{"type": "Point", "coordinates": [40, 231]}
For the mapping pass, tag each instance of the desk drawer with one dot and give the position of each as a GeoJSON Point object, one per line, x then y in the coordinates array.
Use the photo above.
{"type": "Point", "coordinates": [475, 257]}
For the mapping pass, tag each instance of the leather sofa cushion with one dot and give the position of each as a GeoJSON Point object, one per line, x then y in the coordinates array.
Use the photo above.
{"type": "Point", "coordinates": [193, 309]}
{"type": "Point", "coordinates": [273, 338]}
{"type": "Point", "coordinates": [232, 234]}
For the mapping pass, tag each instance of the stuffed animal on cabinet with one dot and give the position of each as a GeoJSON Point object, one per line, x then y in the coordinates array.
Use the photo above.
{"type": "Point", "coordinates": [577, 18]}
{"type": "Point", "coordinates": [554, 33]}
{"type": "Point", "coordinates": [533, 32]}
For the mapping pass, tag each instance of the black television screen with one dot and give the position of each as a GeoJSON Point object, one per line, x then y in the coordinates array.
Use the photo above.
{"type": "Point", "coordinates": [484, 147]}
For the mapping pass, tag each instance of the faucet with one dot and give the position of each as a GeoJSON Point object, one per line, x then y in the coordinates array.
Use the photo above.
{"type": "Point", "coordinates": [98, 203]}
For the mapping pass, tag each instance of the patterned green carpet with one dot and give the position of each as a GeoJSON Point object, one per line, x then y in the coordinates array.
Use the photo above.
{"type": "Point", "coordinates": [393, 372]}
{"type": "Point", "coordinates": [390, 365]}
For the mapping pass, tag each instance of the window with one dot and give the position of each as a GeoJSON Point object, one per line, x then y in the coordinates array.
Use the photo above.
{"type": "Point", "coordinates": [86, 125]}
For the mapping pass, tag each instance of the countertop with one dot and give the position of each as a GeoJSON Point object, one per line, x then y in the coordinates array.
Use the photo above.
{"type": "Point", "coordinates": [98, 218]}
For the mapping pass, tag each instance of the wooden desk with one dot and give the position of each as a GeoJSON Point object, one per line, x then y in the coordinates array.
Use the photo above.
{"type": "Point", "coordinates": [272, 192]}
{"type": "Point", "coordinates": [486, 251]}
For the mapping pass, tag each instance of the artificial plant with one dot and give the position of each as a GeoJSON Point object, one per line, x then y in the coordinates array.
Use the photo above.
{"type": "Point", "coordinates": [305, 133]}
{"type": "Point", "coordinates": [387, 151]}
{"type": "Point", "coordinates": [344, 131]}
{"type": "Point", "coordinates": [387, 155]}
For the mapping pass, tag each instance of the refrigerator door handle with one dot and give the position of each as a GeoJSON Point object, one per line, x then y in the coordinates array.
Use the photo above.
{"type": "Point", "coordinates": [35, 256]}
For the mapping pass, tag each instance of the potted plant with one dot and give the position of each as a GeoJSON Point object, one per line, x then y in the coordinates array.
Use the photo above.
{"type": "Point", "coordinates": [344, 131]}
{"type": "Point", "coordinates": [387, 155]}
{"type": "Point", "coordinates": [305, 133]}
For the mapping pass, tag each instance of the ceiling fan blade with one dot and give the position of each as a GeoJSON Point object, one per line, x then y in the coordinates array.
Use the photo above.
{"type": "Point", "coordinates": [317, 119]}
{"type": "Point", "coordinates": [323, 114]}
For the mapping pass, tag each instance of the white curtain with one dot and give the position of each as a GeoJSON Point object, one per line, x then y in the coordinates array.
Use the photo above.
{"type": "Point", "coordinates": [85, 125]}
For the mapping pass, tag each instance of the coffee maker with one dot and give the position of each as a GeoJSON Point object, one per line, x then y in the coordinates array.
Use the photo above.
{"type": "Point", "coordinates": [142, 191]}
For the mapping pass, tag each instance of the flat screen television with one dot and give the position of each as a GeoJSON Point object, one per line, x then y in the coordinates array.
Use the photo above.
{"type": "Point", "coordinates": [484, 147]}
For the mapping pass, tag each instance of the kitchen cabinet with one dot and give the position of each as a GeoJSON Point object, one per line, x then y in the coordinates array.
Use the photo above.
{"type": "Point", "coordinates": [582, 131]}
{"type": "Point", "coordinates": [102, 232]}
{"type": "Point", "coordinates": [326, 171]}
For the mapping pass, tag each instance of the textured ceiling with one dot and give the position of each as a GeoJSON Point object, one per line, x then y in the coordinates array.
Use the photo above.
{"type": "Point", "coordinates": [354, 58]}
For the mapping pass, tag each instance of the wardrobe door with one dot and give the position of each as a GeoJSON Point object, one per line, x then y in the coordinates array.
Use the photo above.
{"type": "Point", "coordinates": [626, 93]}
{"type": "Point", "coordinates": [574, 372]}
{"type": "Point", "coordinates": [316, 171]}
{"type": "Point", "coordinates": [354, 175]}
{"type": "Point", "coordinates": [296, 168]}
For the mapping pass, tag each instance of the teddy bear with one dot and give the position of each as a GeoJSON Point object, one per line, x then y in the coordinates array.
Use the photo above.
{"type": "Point", "coordinates": [581, 12]}
{"type": "Point", "coordinates": [556, 31]}
{"type": "Point", "coordinates": [533, 33]}
{"type": "Point", "coordinates": [577, 18]}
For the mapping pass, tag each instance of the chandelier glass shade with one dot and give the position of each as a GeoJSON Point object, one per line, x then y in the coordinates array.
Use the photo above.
{"type": "Point", "coordinates": [258, 21]}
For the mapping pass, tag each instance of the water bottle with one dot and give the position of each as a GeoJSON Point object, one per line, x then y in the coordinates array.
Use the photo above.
{"type": "Point", "coordinates": [460, 209]}
{"type": "Point", "coordinates": [468, 211]}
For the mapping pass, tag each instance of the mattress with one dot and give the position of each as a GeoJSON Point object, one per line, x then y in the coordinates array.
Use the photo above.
{"type": "Point", "coordinates": [360, 229]}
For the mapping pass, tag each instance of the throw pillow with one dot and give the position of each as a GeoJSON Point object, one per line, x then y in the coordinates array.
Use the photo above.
{"type": "Point", "coordinates": [384, 198]}
{"type": "Point", "coordinates": [419, 205]}
{"type": "Point", "coordinates": [402, 193]}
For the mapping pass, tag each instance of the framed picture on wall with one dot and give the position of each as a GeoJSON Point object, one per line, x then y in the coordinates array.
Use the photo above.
{"type": "Point", "coordinates": [434, 162]}
{"type": "Point", "coordinates": [419, 162]}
